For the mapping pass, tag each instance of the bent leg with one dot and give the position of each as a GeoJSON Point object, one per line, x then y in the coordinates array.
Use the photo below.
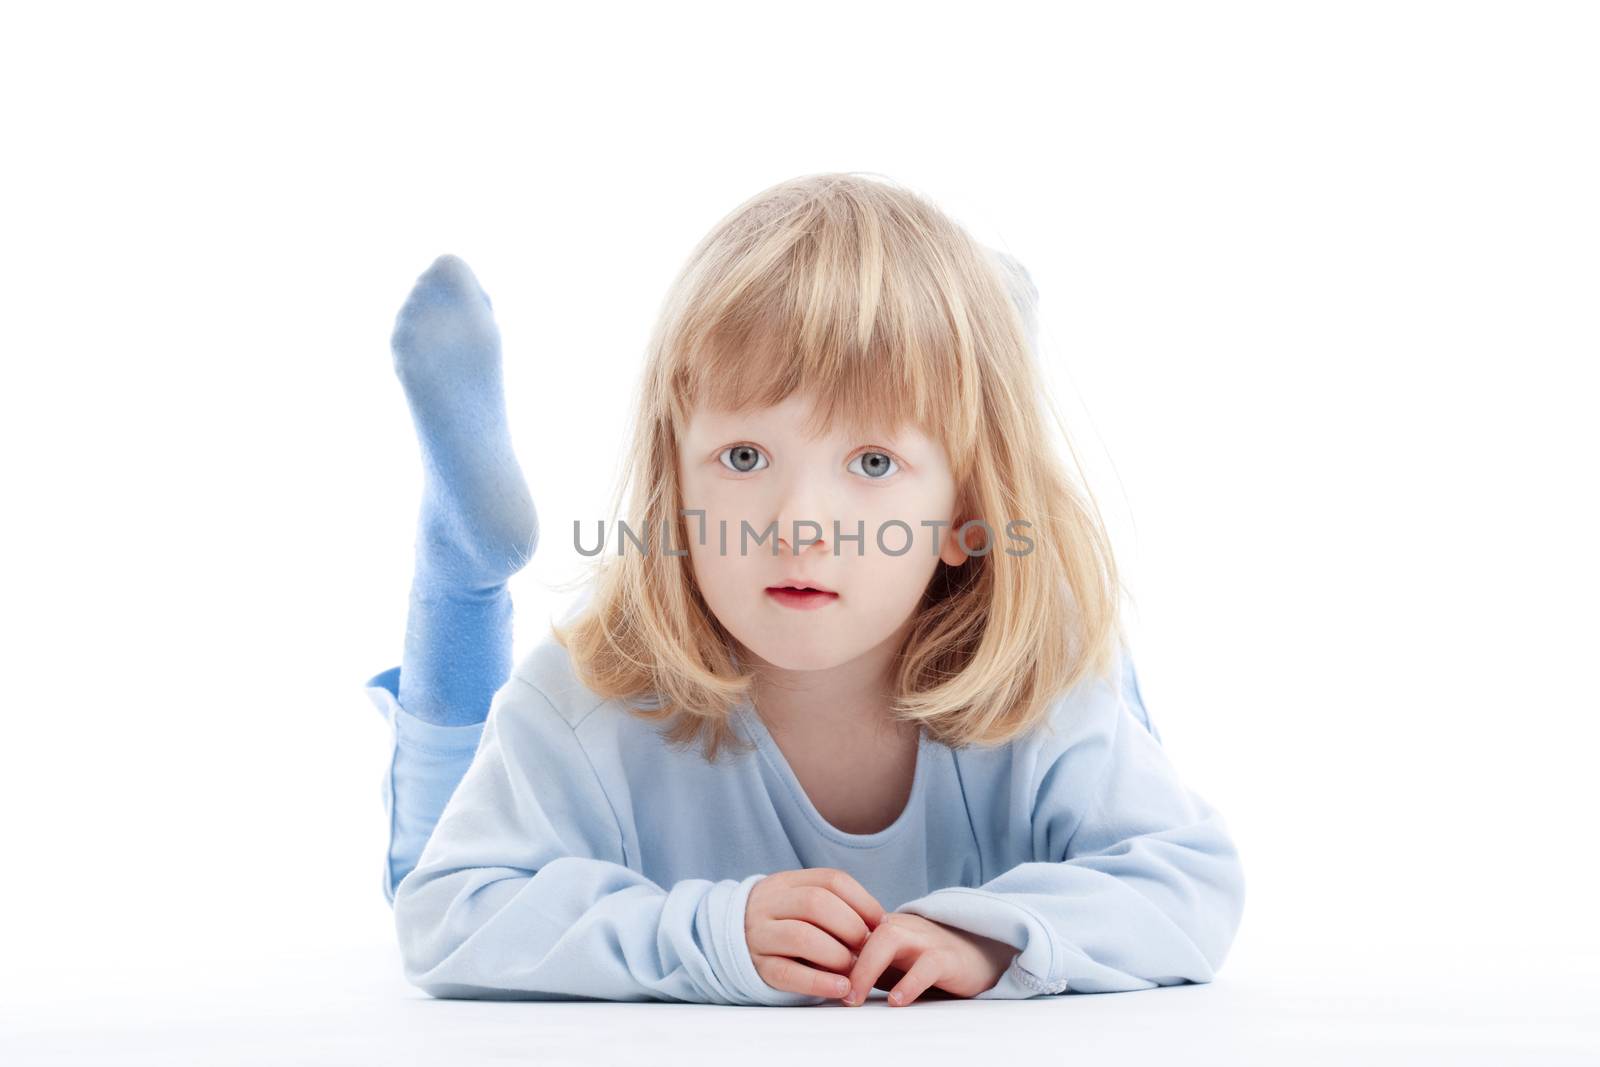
{"type": "Point", "coordinates": [476, 528]}
{"type": "Point", "coordinates": [477, 525]}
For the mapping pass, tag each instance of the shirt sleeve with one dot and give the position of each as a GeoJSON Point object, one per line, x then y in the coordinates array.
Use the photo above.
{"type": "Point", "coordinates": [1135, 881]}
{"type": "Point", "coordinates": [523, 893]}
{"type": "Point", "coordinates": [426, 762]}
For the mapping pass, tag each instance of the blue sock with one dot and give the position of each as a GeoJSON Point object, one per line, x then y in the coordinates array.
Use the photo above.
{"type": "Point", "coordinates": [477, 525]}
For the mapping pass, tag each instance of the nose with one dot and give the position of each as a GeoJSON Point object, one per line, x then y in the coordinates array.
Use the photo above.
{"type": "Point", "coordinates": [808, 548]}
{"type": "Point", "coordinates": [804, 505]}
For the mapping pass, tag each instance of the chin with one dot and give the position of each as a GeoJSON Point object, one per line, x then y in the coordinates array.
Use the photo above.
{"type": "Point", "coordinates": [789, 656]}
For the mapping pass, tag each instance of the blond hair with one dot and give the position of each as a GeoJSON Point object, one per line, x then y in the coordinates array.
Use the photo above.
{"type": "Point", "coordinates": [866, 296]}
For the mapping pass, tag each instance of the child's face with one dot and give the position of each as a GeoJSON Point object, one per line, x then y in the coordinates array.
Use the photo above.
{"type": "Point", "coordinates": [757, 467]}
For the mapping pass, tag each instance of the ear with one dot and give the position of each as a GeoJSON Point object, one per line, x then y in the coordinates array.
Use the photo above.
{"type": "Point", "coordinates": [952, 550]}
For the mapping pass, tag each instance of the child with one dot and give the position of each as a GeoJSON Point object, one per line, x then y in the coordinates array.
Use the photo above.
{"type": "Point", "coordinates": [932, 773]}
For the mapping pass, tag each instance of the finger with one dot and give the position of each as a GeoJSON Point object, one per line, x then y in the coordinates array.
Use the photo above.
{"type": "Point", "coordinates": [826, 909]}
{"type": "Point", "coordinates": [792, 976]}
{"type": "Point", "coordinates": [855, 894]}
{"type": "Point", "coordinates": [886, 943]}
{"type": "Point", "coordinates": [802, 940]}
{"type": "Point", "coordinates": [927, 970]}
{"type": "Point", "coordinates": [849, 890]}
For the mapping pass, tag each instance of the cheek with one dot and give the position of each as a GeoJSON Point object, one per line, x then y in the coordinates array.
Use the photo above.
{"type": "Point", "coordinates": [718, 499]}
{"type": "Point", "coordinates": [703, 554]}
{"type": "Point", "coordinates": [720, 569]}
{"type": "Point", "coordinates": [890, 578]}
{"type": "Point", "coordinates": [912, 509]}
{"type": "Point", "coordinates": [899, 581]}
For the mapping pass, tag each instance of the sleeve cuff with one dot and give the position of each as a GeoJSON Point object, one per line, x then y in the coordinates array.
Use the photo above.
{"type": "Point", "coordinates": [421, 753]}
{"type": "Point", "coordinates": [726, 903]}
{"type": "Point", "coordinates": [1018, 983]}
{"type": "Point", "coordinates": [1034, 971]}
{"type": "Point", "coordinates": [383, 689]}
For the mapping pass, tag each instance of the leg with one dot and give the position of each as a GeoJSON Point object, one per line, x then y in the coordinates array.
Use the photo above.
{"type": "Point", "coordinates": [476, 528]}
{"type": "Point", "coordinates": [477, 524]}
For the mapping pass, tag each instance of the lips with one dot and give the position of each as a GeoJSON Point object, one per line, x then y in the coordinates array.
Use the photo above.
{"type": "Point", "coordinates": [801, 585]}
{"type": "Point", "coordinates": [801, 597]}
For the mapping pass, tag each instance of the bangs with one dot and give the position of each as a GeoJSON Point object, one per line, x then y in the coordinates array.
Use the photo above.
{"type": "Point", "coordinates": [826, 315]}
{"type": "Point", "coordinates": [866, 300]}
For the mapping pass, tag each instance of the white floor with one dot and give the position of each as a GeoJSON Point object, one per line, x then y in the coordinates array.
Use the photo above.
{"type": "Point", "coordinates": [352, 1006]}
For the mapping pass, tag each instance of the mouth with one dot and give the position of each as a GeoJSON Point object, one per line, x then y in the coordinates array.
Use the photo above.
{"type": "Point", "coordinates": [800, 596]}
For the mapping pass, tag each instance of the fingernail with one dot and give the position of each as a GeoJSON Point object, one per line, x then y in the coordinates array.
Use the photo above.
{"type": "Point", "coordinates": [842, 985]}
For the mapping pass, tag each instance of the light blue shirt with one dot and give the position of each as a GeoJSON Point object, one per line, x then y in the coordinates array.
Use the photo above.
{"type": "Point", "coordinates": [582, 857]}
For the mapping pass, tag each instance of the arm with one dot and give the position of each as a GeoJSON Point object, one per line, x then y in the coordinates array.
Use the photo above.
{"type": "Point", "coordinates": [1135, 882]}
{"type": "Point", "coordinates": [522, 891]}
{"type": "Point", "coordinates": [426, 762]}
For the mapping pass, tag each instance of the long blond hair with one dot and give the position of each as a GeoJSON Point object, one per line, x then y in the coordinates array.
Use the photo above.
{"type": "Point", "coordinates": [864, 295]}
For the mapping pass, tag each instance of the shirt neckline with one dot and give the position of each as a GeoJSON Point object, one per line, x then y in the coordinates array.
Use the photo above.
{"type": "Point", "coordinates": [768, 746]}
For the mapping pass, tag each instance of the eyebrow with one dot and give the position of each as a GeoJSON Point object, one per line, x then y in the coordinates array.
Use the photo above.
{"type": "Point", "coordinates": [718, 423]}
{"type": "Point", "coordinates": [898, 442]}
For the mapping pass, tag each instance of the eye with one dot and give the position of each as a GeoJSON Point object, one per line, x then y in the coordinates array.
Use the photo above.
{"type": "Point", "coordinates": [879, 466]}
{"type": "Point", "coordinates": [743, 455]}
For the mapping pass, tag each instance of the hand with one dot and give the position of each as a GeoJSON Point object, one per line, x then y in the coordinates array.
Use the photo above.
{"type": "Point", "coordinates": [818, 915]}
{"type": "Point", "coordinates": [927, 953]}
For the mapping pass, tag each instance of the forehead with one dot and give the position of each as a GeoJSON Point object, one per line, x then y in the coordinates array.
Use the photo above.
{"type": "Point", "coordinates": [794, 418]}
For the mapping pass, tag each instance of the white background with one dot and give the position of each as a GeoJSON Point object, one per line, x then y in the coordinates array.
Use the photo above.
{"type": "Point", "coordinates": [1319, 300]}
